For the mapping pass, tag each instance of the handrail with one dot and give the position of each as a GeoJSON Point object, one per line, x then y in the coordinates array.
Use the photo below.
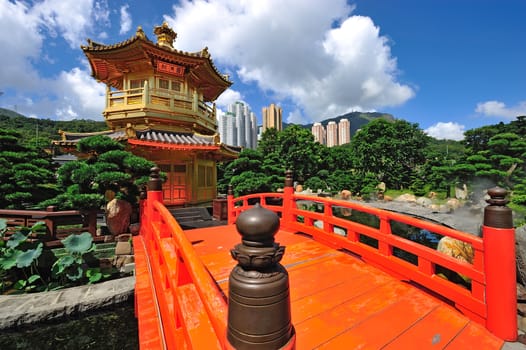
{"type": "Point", "coordinates": [175, 264]}
{"type": "Point", "coordinates": [471, 302]}
{"type": "Point", "coordinates": [210, 294]}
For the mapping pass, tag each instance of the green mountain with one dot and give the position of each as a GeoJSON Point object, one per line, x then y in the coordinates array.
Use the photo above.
{"type": "Point", "coordinates": [43, 130]}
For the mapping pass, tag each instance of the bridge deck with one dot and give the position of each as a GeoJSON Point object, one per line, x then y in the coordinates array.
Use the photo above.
{"type": "Point", "coordinates": [340, 302]}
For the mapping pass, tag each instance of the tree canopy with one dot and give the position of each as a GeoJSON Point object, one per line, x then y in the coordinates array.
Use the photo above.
{"type": "Point", "coordinates": [391, 150]}
{"type": "Point", "coordinates": [26, 173]}
{"type": "Point", "coordinates": [84, 183]}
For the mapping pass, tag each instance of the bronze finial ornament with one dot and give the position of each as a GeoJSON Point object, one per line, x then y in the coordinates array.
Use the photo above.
{"type": "Point", "coordinates": [497, 214]}
{"type": "Point", "coordinates": [259, 300]}
{"type": "Point", "coordinates": [155, 183]}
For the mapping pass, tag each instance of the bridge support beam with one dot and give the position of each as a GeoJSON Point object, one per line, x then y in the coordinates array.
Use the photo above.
{"type": "Point", "coordinates": [500, 266]}
{"type": "Point", "coordinates": [259, 301]}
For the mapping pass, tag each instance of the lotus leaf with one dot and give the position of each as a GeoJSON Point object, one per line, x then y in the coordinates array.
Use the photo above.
{"type": "Point", "coordinates": [75, 274]}
{"type": "Point", "coordinates": [94, 275]}
{"type": "Point", "coordinates": [8, 260]}
{"type": "Point", "coordinates": [61, 264]}
{"type": "Point", "coordinates": [39, 227]}
{"type": "Point", "coordinates": [26, 258]}
{"type": "Point", "coordinates": [15, 240]}
{"type": "Point", "coordinates": [78, 243]}
{"type": "Point", "coordinates": [33, 278]}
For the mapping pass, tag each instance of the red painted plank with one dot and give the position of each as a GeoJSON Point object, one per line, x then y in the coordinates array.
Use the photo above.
{"type": "Point", "coordinates": [475, 336]}
{"type": "Point", "coordinates": [147, 318]}
{"type": "Point", "coordinates": [340, 302]}
{"type": "Point", "coordinates": [198, 328]}
{"type": "Point", "coordinates": [434, 331]}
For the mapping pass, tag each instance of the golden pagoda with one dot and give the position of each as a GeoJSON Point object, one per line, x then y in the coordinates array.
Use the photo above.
{"type": "Point", "coordinates": [161, 102]}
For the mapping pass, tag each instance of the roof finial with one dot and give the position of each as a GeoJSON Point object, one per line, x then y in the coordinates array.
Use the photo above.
{"type": "Point", "coordinates": [140, 33]}
{"type": "Point", "coordinates": [165, 35]}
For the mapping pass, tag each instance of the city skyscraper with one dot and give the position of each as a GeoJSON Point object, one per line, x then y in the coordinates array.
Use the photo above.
{"type": "Point", "coordinates": [272, 117]}
{"type": "Point", "coordinates": [319, 133]}
{"type": "Point", "coordinates": [332, 134]}
{"type": "Point", "coordinates": [344, 131]}
{"type": "Point", "coordinates": [238, 126]}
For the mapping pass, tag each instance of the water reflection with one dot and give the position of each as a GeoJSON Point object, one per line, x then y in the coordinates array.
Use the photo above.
{"type": "Point", "coordinates": [114, 328]}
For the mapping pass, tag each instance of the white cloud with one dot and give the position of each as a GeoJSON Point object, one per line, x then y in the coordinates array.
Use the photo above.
{"type": "Point", "coordinates": [67, 94]}
{"type": "Point", "coordinates": [126, 20]}
{"type": "Point", "coordinates": [70, 19]}
{"type": "Point", "coordinates": [295, 117]}
{"type": "Point", "coordinates": [311, 52]}
{"type": "Point", "coordinates": [228, 97]}
{"type": "Point", "coordinates": [447, 131]}
{"type": "Point", "coordinates": [499, 109]}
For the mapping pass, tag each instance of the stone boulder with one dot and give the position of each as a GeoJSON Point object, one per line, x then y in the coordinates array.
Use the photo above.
{"type": "Point", "coordinates": [424, 201]}
{"type": "Point", "coordinates": [520, 253]}
{"type": "Point", "coordinates": [345, 194]}
{"type": "Point", "coordinates": [461, 193]}
{"type": "Point", "coordinates": [453, 203]}
{"type": "Point", "coordinates": [459, 250]}
{"type": "Point", "coordinates": [118, 214]}
{"type": "Point", "coordinates": [406, 197]}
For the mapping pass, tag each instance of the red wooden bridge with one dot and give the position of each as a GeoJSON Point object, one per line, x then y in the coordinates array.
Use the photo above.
{"type": "Point", "coordinates": [352, 286]}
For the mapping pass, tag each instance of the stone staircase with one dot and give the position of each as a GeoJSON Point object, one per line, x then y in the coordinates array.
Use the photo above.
{"type": "Point", "coordinates": [194, 217]}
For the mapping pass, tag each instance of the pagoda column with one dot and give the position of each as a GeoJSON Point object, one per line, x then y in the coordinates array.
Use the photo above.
{"type": "Point", "coordinates": [108, 92]}
{"type": "Point", "coordinates": [195, 100]}
{"type": "Point", "coordinates": [146, 94]}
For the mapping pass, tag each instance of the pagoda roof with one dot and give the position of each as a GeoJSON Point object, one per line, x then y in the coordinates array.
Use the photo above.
{"type": "Point", "coordinates": [157, 139]}
{"type": "Point", "coordinates": [109, 63]}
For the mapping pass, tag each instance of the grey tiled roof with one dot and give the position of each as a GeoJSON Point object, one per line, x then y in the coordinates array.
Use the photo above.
{"type": "Point", "coordinates": [175, 138]}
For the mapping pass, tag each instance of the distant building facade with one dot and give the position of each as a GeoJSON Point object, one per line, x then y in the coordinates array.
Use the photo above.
{"type": "Point", "coordinates": [319, 133]}
{"type": "Point", "coordinates": [272, 117]}
{"type": "Point", "coordinates": [335, 134]}
{"type": "Point", "coordinates": [238, 126]}
{"type": "Point", "coordinates": [344, 132]}
{"type": "Point", "coordinates": [332, 134]}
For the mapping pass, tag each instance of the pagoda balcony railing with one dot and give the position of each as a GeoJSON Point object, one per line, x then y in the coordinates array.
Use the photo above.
{"type": "Point", "coordinates": [161, 100]}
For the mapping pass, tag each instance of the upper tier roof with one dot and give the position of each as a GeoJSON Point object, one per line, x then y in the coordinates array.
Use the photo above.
{"type": "Point", "coordinates": [109, 63]}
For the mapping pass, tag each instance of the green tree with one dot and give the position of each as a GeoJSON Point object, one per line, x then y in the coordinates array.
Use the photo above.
{"type": "Point", "coordinates": [299, 152]}
{"type": "Point", "coordinates": [251, 173]}
{"type": "Point", "coordinates": [391, 150]}
{"type": "Point", "coordinates": [26, 173]}
{"type": "Point", "coordinates": [109, 167]}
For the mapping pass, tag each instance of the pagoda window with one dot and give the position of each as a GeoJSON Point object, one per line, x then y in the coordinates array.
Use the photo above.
{"type": "Point", "coordinates": [136, 84]}
{"type": "Point", "coordinates": [176, 85]}
{"type": "Point", "coordinates": [164, 84]}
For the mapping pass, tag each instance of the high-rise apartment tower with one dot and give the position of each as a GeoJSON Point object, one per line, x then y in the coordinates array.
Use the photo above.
{"type": "Point", "coordinates": [272, 117]}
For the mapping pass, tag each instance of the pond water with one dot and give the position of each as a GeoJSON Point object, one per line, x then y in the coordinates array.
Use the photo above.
{"type": "Point", "coordinates": [114, 328]}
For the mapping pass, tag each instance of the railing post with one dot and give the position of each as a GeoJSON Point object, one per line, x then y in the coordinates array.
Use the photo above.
{"type": "Point", "coordinates": [499, 265]}
{"type": "Point", "coordinates": [259, 301]}
{"type": "Point", "coordinates": [230, 205]}
{"type": "Point", "coordinates": [155, 193]}
{"type": "Point", "coordinates": [288, 200]}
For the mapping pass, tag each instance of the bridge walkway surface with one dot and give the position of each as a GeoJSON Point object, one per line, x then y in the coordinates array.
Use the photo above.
{"type": "Point", "coordinates": [339, 301]}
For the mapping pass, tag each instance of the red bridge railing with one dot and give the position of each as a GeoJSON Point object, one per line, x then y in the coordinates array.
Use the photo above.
{"type": "Point", "coordinates": [180, 278]}
{"type": "Point", "coordinates": [491, 298]}
{"type": "Point", "coordinates": [192, 311]}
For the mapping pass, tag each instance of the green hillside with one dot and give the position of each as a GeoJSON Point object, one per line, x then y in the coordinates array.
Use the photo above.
{"type": "Point", "coordinates": [42, 130]}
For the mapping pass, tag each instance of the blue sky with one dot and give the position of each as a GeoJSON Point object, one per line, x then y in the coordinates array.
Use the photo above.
{"type": "Point", "coordinates": [448, 65]}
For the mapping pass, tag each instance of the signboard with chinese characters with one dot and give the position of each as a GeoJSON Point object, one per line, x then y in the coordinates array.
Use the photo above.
{"type": "Point", "coordinates": [170, 68]}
